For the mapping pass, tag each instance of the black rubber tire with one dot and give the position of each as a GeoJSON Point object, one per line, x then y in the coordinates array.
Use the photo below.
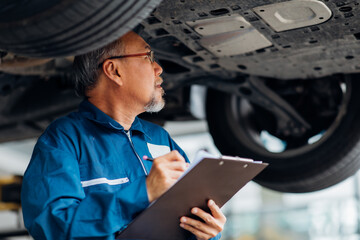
{"type": "Point", "coordinates": [330, 162]}
{"type": "Point", "coordinates": [54, 28]}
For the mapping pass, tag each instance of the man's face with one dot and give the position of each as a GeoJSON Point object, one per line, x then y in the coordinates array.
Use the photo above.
{"type": "Point", "coordinates": [142, 81]}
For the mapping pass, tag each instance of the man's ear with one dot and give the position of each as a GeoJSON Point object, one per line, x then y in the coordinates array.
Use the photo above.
{"type": "Point", "coordinates": [112, 72]}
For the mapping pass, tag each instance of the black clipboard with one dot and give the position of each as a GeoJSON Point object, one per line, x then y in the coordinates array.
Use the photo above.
{"type": "Point", "coordinates": [211, 178]}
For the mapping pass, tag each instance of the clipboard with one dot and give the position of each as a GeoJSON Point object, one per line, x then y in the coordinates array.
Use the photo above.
{"type": "Point", "coordinates": [210, 178]}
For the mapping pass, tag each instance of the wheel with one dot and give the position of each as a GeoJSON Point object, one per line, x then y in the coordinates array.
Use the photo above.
{"type": "Point", "coordinates": [53, 28]}
{"type": "Point", "coordinates": [320, 157]}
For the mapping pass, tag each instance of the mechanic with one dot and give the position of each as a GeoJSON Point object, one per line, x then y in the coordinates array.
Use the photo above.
{"type": "Point", "coordinates": [87, 178]}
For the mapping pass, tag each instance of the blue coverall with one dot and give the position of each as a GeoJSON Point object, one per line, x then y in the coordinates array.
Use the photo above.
{"type": "Point", "coordinates": [86, 177]}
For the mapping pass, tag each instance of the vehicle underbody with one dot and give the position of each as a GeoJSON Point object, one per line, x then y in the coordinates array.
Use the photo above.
{"type": "Point", "coordinates": [284, 69]}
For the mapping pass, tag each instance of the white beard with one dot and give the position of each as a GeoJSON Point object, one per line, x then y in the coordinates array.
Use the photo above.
{"type": "Point", "coordinates": [155, 105]}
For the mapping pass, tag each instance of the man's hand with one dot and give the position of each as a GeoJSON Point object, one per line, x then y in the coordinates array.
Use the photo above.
{"type": "Point", "coordinates": [214, 222]}
{"type": "Point", "coordinates": [164, 173]}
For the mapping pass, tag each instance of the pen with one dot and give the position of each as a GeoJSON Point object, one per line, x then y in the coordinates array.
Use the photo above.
{"type": "Point", "coordinates": [148, 158]}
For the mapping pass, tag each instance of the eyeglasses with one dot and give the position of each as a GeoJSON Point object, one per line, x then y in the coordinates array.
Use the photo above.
{"type": "Point", "coordinates": [149, 54]}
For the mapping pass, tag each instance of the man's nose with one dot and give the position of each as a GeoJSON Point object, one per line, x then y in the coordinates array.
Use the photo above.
{"type": "Point", "coordinates": [158, 69]}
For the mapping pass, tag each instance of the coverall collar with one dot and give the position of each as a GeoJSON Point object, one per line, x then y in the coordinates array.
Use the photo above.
{"type": "Point", "coordinates": [90, 111]}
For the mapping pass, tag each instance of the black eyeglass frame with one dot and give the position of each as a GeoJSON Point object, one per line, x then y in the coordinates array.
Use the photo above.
{"type": "Point", "coordinates": [149, 54]}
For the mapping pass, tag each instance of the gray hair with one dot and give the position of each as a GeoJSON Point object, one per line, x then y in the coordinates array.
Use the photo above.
{"type": "Point", "coordinates": [86, 67]}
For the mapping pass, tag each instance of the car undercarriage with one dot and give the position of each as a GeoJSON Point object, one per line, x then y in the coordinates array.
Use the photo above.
{"type": "Point", "coordinates": [276, 73]}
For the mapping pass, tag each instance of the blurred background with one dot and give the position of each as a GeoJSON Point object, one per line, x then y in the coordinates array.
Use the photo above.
{"type": "Point", "coordinates": [254, 213]}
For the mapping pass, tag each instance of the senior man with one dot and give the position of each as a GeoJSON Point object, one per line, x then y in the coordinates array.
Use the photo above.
{"type": "Point", "coordinates": [86, 178]}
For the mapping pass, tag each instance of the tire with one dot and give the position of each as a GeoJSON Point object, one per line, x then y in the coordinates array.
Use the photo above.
{"type": "Point", "coordinates": [54, 28]}
{"type": "Point", "coordinates": [301, 166]}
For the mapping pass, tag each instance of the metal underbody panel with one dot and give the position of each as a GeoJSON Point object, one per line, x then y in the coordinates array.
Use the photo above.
{"type": "Point", "coordinates": [293, 14]}
{"type": "Point", "coordinates": [320, 39]}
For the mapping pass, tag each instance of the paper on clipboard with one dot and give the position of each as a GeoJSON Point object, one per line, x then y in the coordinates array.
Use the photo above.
{"type": "Point", "coordinates": [200, 155]}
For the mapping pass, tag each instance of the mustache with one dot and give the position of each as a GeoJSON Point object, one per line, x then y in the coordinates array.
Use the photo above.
{"type": "Point", "coordinates": [159, 81]}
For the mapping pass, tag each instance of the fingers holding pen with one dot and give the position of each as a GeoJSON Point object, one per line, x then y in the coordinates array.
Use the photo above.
{"type": "Point", "coordinates": [165, 171]}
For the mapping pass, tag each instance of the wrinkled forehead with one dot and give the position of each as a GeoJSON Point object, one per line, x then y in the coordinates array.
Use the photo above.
{"type": "Point", "coordinates": [134, 43]}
